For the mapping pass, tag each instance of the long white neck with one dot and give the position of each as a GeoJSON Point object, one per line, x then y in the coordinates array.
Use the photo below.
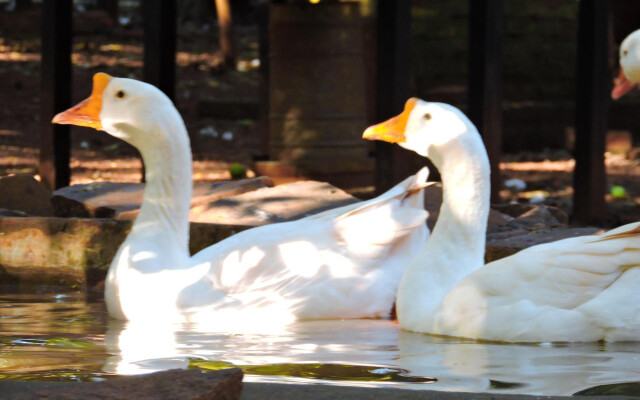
{"type": "Point", "coordinates": [167, 195]}
{"type": "Point", "coordinates": [457, 245]}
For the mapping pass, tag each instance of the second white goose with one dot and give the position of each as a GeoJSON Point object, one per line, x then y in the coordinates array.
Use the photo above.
{"type": "Point", "coordinates": [577, 289]}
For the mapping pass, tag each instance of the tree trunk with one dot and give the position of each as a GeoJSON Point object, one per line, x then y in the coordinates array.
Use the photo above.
{"type": "Point", "coordinates": [227, 42]}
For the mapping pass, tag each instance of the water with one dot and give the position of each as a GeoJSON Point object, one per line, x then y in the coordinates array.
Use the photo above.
{"type": "Point", "coordinates": [64, 337]}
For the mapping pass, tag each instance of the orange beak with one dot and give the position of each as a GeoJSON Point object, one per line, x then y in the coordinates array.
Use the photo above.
{"type": "Point", "coordinates": [621, 86]}
{"type": "Point", "coordinates": [87, 112]}
{"type": "Point", "coordinates": [392, 130]}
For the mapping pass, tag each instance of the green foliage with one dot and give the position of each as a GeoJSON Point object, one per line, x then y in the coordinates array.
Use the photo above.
{"type": "Point", "coordinates": [69, 343]}
{"type": "Point", "coordinates": [237, 171]}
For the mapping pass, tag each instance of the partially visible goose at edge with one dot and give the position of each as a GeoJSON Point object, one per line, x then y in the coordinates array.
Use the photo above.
{"type": "Point", "coordinates": [343, 263]}
{"type": "Point", "coordinates": [629, 76]}
{"type": "Point", "coordinates": [578, 289]}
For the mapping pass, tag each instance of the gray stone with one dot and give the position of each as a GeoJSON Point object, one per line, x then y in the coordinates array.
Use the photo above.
{"type": "Point", "coordinates": [12, 213]}
{"type": "Point", "coordinates": [122, 200]}
{"type": "Point", "coordinates": [433, 200]}
{"type": "Point", "coordinates": [74, 253]}
{"type": "Point", "coordinates": [173, 384]}
{"type": "Point", "coordinates": [317, 391]}
{"type": "Point", "coordinates": [518, 210]}
{"type": "Point", "coordinates": [505, 243]}
{"type": "Point", "coordinates": [281, 203]}
{"type": "Point", "coordinates": [278, 391]}
{"type": "Point", "coordinates": [22, 192]}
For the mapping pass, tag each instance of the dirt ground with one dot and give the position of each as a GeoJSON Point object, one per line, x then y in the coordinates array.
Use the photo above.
{"type": "Point", "coordinates": [118, 51]}
{"type": "Point", "coordinates": [216, 144]}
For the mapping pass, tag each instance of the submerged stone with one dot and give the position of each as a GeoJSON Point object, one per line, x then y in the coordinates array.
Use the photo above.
{"type": "Point", "coordinates": [123, 200]}
{"type": "Point", "coordinates": [173, 384]}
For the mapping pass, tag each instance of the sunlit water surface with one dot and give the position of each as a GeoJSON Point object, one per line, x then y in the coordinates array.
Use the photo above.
{"type": "Point", "coordinates": [65, 337]}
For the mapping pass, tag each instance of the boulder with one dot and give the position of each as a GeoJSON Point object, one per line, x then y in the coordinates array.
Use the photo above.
{"type": "Point", "coordinates": [281, 203]}
{"type": "Point", "coordinates": [530, 225]}
{"type": "Point", "coordinates": [74, 253]}
{"type": "Point", "coordinates": [191, 384]}
{"type": "Point", "coordinates": [433, 200]}
{"type": "Point", "coordinates": [518, 210]}
{"type": "Point", "coordinates": [508, 242]}
{"type": "Point", "coordinates": [122, 200]}
{"type": "Point", "coordinates": [22, 192]}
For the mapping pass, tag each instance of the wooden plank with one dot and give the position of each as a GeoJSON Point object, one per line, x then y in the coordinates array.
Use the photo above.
{"type": "Point", "coordinates": [393, 34]}
{"type": "Point", "coordinates": [593, 79]}
{"type": "Point", "coordinates": [160, 24]}
{"type": "Point", "coordinates": [485, 81]}
{"type": "Point", "coordinates": [55, 92]}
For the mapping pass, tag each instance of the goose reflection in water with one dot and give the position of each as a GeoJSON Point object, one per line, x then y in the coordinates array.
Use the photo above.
{"type": "Point", "coordinates": [375, 346]}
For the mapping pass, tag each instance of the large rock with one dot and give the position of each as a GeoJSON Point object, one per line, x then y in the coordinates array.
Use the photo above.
{"type": "Point", "coordinates": [74, 252]}
{"type": "Point", "coordinates": [514, 227]}
{"type": "Point", "coordinates": [281, 203]}
{"type": "Point", "coordinates": [77, 252]}
{"type": "Point", "coordinates": [530, 225]}
{"type": "Point", "coordinates": [433, 200]}
{"type": "Point", "coordinates": [122, 200]}
{"type": "Point", "coordinates": [173, 384]}
{"type": "Point", "coordinates": [21, 192]}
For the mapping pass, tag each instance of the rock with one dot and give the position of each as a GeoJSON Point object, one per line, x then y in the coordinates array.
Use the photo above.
{"type": "Point", "coordinates": [191, 384]}
{"type": "Point", "coordinates": [12, 213]}
{"type": "Point", "coordinates": [122, 200]}
{"type": "Point", "coordinates": [433, 200]}
{"type": "Point", "coordinates": [517, 210]}
{"type": "Point", "coordinates": [281, 203]}
{"type": "Point", "coordinates": [74, 253]}
{"type": "Point", "coordinates": [531, 224]}
{"type": "Point", "coordinates": [506, 243]}
{"type": "Point", "coordinates": [22, 192]}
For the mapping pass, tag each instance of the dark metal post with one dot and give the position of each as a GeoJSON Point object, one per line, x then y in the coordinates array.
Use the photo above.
{"type": "Point", "coordinates": [593, 80]}
{"type": "Point", "coordinates": [263, 40]}
{"type": "Point", "coordinates": [111, 7]}
{"type": "Point", "coordinates": [485, 81]}
{"type": "Point", "coordinates": [160, 24]}
{"type": "Point", "coordinates": [55, 92]}
{"type": "Point", "coordinates": [393, 34]}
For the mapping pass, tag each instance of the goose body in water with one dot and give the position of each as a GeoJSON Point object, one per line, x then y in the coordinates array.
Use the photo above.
{"type": "Point", "coordinates": [577, 289]}
{"type": "Point", "coordinates": [343, 263]}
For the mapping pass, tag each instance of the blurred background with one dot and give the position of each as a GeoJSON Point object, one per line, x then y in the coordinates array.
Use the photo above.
{"type": "Point", "coordinates": [285, 88]}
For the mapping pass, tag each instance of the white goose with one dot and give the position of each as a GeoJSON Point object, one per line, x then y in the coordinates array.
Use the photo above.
{"type": "Point", "coordinates": [577, 289]}
{"type": "Point", "coordinates": [343, 263]}
{"type": "Point", "coordinates": [629, 66]}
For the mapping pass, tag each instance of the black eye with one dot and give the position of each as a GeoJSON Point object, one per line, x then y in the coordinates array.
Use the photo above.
{"type": "Point", "coordinates": [427, 116]}
{"type": "Point", "coordinates": [624, 53]}
{"type": "Point", "coordinates": [120, 94]}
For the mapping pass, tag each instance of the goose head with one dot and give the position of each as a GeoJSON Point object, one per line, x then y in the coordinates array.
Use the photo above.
{"type": "Point", "coordinates": [629, 66]}
{"type": "Point", "coordinates": [427, 128]}
{"type": "Point", "coordinates": [125, 108]}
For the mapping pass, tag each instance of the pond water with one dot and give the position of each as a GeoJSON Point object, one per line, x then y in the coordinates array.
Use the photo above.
{"type": "Point", "coordinates": [68, 337]}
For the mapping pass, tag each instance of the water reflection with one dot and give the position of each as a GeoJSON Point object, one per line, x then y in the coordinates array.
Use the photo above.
{"type": "Point", "coordinates": [550, 369]}
{"type": "Point", "coordinates": [67, 338]}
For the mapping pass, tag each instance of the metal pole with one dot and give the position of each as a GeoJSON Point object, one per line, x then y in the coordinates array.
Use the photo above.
{"type": "Point", "coordinates": [393, 34]}
{"type": "Point", "coordinates": [592, 85]}
{"type": "Point", "coordinates": [55, 148]}
{"type": "Point", "coordinates": [485, 81]}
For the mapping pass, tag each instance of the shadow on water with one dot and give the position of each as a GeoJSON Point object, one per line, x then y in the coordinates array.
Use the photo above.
{"type": "Point", "coordinates": [332, 372]}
